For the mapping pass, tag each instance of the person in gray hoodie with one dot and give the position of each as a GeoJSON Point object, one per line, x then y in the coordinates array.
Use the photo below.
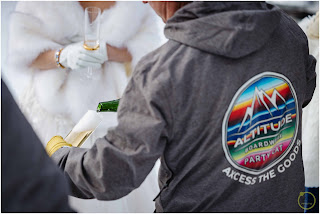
{"type": "Point", "coordinates": [220, 103]}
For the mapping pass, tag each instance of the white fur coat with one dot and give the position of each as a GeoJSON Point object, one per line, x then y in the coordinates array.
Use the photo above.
{"type": "Point", "coordinates": [64, 96]}
{"type": "Point", "coordinates": [310, 114]}
{"type": "Point", "coordinates": [54, 100]}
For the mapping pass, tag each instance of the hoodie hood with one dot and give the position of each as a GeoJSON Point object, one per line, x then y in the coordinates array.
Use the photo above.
{"type": "Point", "coordinates": [230, 29]}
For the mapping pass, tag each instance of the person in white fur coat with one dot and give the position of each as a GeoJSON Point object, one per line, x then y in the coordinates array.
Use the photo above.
{"type": "Point", "coordinates": [310, 119]}
{"type": "Point", "coordinates": [54, 99]}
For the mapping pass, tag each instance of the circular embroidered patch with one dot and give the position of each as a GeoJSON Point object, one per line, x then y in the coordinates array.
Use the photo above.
{"type": "Point", "coordinates": [260, 125]}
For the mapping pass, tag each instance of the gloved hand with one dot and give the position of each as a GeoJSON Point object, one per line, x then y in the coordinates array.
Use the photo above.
{"type": "Point", "coordinates": [75, 56]}
{"type": "Point", "coordinates": [57, 142]}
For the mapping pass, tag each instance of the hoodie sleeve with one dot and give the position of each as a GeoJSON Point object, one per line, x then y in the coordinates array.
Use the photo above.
{"type": "Point", "coordinates": [119, 162]}
{"type": "Point", "coordinates": [311, 77]}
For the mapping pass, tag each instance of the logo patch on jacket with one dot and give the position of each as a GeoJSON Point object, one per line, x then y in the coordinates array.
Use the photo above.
{"type": "Point", "coordinates": [261, 123]}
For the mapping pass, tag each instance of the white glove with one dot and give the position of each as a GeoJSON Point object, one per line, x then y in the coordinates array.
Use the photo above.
{"type": "Point", "coordinates": [75, 56]}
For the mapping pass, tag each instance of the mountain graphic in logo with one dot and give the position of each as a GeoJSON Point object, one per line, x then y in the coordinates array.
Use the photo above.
{"type": "Point", "coordinates": [261, 122]}
{"type": "Point", "coordinates": [259, 95]}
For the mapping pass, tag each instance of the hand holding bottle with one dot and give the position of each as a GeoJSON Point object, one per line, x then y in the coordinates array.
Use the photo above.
{"type": "Point", "coordinates": [74, 56]}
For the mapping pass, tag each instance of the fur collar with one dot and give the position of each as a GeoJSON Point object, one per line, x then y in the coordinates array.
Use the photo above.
{"type": "Point", "coordinates": [116, 28]}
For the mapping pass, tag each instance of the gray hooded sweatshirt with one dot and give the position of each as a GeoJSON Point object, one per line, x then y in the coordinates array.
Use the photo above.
{"type": "Point", "coordinates": [221, 104]}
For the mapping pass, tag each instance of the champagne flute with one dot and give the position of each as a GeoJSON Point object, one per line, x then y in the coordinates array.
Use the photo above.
{"type": "Point", "coordinates": [91, 30]}
{"type": "Point", "coordinates": [84, 128]}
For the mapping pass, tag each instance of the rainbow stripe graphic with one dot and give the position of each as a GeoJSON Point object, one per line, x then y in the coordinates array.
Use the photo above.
{"type": "Point", "coordinates": [261, 125]}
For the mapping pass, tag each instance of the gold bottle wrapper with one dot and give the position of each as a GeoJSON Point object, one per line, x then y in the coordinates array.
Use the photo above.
{"type": "Point", "coordinates": [54, 144]}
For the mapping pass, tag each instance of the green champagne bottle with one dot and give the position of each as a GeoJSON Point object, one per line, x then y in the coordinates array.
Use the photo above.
{"type": "Point", "coordinates": [109, 106]}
